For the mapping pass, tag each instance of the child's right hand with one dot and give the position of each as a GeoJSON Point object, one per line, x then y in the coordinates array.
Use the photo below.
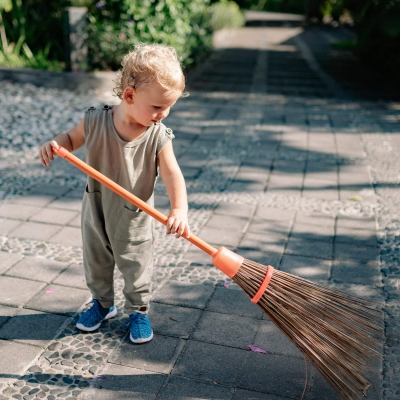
{"type": "Point", "coordinates": [46, 152]}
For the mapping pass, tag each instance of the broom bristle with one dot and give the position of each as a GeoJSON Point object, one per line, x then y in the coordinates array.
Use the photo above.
{"type": "Point", "coordinates": [333, 329]}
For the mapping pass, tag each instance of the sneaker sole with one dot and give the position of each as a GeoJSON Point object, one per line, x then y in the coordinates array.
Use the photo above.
{"type": "Point", "coordinates": [141, 340]}
{"type": "Point", "coordinates": [111, 314]}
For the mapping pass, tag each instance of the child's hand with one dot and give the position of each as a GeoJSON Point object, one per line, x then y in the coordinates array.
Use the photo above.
{"type": "Point", "coordinates": [178, 223]}
{"type": "Point", "coordinates": [46, 152]}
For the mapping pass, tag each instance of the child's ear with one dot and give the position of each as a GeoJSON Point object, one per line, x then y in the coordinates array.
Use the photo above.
{"type": "Point", "coordinates": [129, 94]}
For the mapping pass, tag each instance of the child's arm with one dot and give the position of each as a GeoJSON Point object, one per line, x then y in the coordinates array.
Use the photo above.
{"type": "Point", "coordinates": [71, 140]}
{"type": "Point", "coordinates": [175, 184]}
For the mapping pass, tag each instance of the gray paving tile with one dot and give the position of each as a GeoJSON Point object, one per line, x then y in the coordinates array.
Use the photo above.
{"type": "Point", "coordinates": [15, 358]}
{"type": "Point", "coordinates": [226, 329]}
{"type": "Point", "coordinates": [235, 302]}
{"type": "Point", "coordinates": [227, 222]}
{"type": "Point", "coordinates": [35, 230]}
{"type": "Point", "coordinates": [33, 200]}
{"type": "Point", "coordinates": [356, 223]}
{"type": "Point", "coordinates": [17, 211]}
{"type": "Point", "coordinates": [67, 203]}
{"type": "Point", "coordinates": [271, 339]}
{"type": "Point", "coordinates": [235, 209]}
{"type": "Point", "coordinates": [76, 221]}
{"type": "Point", "coordinates": [32, 327]}
{"type": "Point", "coordinates": [184, 294]}
{"type": "Point", "coordinates": [351, 272]}
{"type": "Point", "coordinates": [274, 214]}
{"type": "Point", "coordinates": [7, 260]}
{"type": "Point", "coordinates": [203, 361]}
{"type": "Point", "coordinates": [241, 394]}
{"type": "Point", "coordinates": [269, 228]}
{"type": "Point", "coordinates": [158, 355]}
{"type": "Point", "coordinates": [6, 313]}
{"type": "Point", "coordinates": [315, 218]}
{"type": "Point", "coordinates": [7, 225]}
{"type": "Point", "coordinates": [312, 232]}
{"type": "Point", "coordinates": [316, 249]}
{"type": "Point", "coordinates": [268, 243]}
{"type": "Point", "coordinates": [53, 216]}
{"type": "Point", "coordinates": [320, 388]}
{"type": "Point", "coordinates": [73, 276]}
{"type": "Point", "coordinates": [16, 291]}
{"type": "Point", "coordinates": [220, 237]}
{"type": "Point", "coordinates": [360, 254]}
{"type": "Point", "coordinates": [61, 299]}
{"type": "Point", "coordinates": [278, 375]}
{"type": "Point", "coordinates": [260, 257]}
{"type": "Point", "coordinates": [124, 383]}
{"type": "Point", "coordinates": [38, 269]}
{"type": "Point", "coordinates": [68, 236]}
{"type": "Point", "coordinates": [179, 387]}
{"type": "Point", "coordinates": [306, 267]}
{"type": "Point", "coordinates": [197, 256]}
{"type": "Point", "coordinates": [172, 320]}
{"type": "Point", "coordinates": [354, 236]}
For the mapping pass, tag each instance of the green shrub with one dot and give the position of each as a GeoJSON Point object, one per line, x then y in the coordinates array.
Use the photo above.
{"type": "Point", "coordinates": [116, 26]}
{"type": "Point", "coordinates": [226, 14]}
{"type": "Point", "coordinates": [377, 25]}
{"type": "Point", "coordinates": [288, 6]}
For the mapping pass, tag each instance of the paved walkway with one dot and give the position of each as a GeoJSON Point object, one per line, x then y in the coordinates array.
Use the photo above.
{"type": "Point", "coordinates": [286, 163]}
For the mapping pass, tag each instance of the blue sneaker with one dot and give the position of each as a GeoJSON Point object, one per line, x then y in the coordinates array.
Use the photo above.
{"type": "Point", "coordinates": [139, 325]}
{"type": "Point", "coordinates": [92, 318]}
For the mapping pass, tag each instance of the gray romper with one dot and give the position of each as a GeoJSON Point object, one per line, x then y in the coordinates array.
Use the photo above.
{"type": "Point", "coordinates": [114, 231]}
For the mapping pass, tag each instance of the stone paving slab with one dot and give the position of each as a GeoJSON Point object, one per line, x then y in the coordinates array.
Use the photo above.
{"type": "Point", "coordinates": [159, 355]}
{"type": "Point", "coordinates": [7, 260]}
{"type": "Point", "coordinates": [37, 269]}
{"type": "Point", "coordinates": [315, 269]}
{"type": "Point", "coordinates": [171, 320]}
{"type": "Point", "coordinates": [73, 276]}
{"type": "Point", "coordinates": [6, 313]}
{"type": "Point", "coordinates": [225, 329]}
{"type": "Point", "coordinates": [17, 292]}
{"type": "Point", "coordinates": [177, 386]}
{"type": "Point", "coordinates": [42, 327]}
{"type": "Point", "coordinates": [59, 299]}
{"type": "Point", "coordinates": [184, 294]}
{"type": "Point", "coordinates": [123, 382]}
{"type": "Point", "coordinates": [204, 361]}
{"type": "Point", "coordinates": [274, 374]}
{"type": "Point", "coordinates": [14, 359]}
{"type": "Point", "coordinates": [35, 230]}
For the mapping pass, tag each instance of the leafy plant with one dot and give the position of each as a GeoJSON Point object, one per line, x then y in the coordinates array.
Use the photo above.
{"type": "Point", "coordinates": [226, 14]}
{"type": "Point", "coordinates": [116, 26]}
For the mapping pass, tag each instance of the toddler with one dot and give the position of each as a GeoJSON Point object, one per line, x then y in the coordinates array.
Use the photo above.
{"type": "Point", "coordinates": [129, 144]}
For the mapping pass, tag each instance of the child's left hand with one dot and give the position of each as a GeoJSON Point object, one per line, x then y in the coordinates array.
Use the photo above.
{"type": "Point", "coordinates": [178, 223]}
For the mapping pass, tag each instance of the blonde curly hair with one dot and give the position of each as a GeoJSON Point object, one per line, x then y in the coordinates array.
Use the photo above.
{"type": "Point", "coordinates": [149, 63]}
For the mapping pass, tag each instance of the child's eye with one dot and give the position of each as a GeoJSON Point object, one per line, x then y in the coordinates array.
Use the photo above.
{"type": "Point", "coordinates": [157, 107]}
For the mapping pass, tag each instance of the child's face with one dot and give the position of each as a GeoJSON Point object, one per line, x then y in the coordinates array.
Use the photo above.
{"type": "Point", "coordinates": [151, 104]}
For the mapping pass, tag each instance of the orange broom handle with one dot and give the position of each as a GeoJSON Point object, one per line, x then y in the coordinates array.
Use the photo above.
{"type": "Point", "coordinates": [64, 153]}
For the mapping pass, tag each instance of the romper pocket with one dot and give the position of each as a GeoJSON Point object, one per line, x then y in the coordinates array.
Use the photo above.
{"type": "Point", "coordinates": [92, 211]}
{"type": "Point", "coordinates": [133, 226]}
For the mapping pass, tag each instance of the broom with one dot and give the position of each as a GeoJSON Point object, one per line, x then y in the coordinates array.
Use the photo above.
{"type": "Point", "coordinates": [333, 330]}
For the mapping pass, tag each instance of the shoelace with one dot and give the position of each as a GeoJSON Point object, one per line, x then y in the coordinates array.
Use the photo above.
{"type": "Point", "coordinates": [95, 307]}
{"type": "Point", "coordinates": [136, 317]}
